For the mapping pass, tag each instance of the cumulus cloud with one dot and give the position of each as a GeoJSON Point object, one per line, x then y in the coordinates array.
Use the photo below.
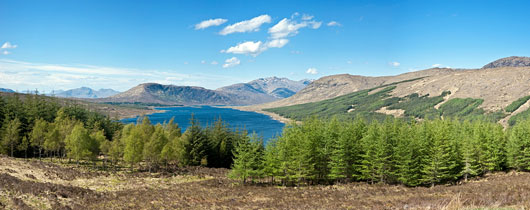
{"type": "Point", "coordinates": [289, 27]}
{"type": "Point", "coordinates": [214, 63]}
{"type": "Point", "coordinates": [210, 22]}
{"type": "Point", "coordinates": [255, 48]}
{"type": "Point", "coordinates": [277, 43]}
{"type": "Point", "coordinates": [394, 64]}
{"type": "Point", "coordinates": [312, 71]}
{"type": "Point", "coordinates": [249, 47]}
{"type": "Point", "coordinates": [436, 65]}
{"type": "Point", "coordinates": [231, 62]}
{"type": "Point", "coordinates": [246, 26]}
{"type": "Point", "coordinates": [8, 45]}
{"type": "Point", "coordinates": [5, 52]}
{"type": "Point", "coordinates": [334, 23]}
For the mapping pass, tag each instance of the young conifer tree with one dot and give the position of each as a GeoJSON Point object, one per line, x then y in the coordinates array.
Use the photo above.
{"type": "Point", "coordinates": [11, 137]}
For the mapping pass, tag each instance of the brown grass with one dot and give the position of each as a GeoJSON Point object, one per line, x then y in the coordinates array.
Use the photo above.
{"type": "Point", "coordinates": [35, 185]}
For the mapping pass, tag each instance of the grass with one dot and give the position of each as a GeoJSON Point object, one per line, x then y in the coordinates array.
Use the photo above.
{"type": "Point", "coordinates": [205, 188]}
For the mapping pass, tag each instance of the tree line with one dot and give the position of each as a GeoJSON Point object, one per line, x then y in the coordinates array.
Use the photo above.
{"type": "Point", "coordinates": [32, 125]}
{"type": "Point", "coordinates": [38, 126]}
{"type": "Point", "coordinates": [395, 151]}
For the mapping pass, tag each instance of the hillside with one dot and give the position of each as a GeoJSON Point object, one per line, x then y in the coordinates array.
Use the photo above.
{"type": "Point", "coordinates": [512, 61]}
{"type": "Point", "coordinates": [337, 85]}
{"type": "Point", "coordinates": [483, 92]}
{"type": "Point", "coordinates": [254, 92]}
{"type": "Point", "coordinates": [170, 95]}
{"type": "Point", "coordinates": [85, 92]}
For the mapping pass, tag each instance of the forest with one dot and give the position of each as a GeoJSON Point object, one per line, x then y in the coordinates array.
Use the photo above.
{"type": "Point", "coordinates": [317, 151]}
{"type": "Point", "coordinates": [394, 151]}
{"type": "Point", "coordinates": [39, 126]}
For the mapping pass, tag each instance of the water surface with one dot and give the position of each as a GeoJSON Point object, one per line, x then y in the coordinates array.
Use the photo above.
{"type": "Point", "coordinates": [207, 115]}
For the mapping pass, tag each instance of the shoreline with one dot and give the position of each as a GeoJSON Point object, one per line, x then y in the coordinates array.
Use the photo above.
{"type": "Point", "coordinates": [274, 116]}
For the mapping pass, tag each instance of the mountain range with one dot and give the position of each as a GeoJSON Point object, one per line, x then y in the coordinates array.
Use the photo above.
{"type": "Point", "coordinates": [85, 92]}
{"type": "Point", "coordinates": [254, 92]}
{"type": "Point", "coordinates": [6, 90]}
{"type": "Point", "coordinates": [488, 90]}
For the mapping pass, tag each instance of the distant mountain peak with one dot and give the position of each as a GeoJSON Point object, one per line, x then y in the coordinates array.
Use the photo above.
{"type": "Point", "coordinates": [85, 92]}
{"type": "Point", "coordinates": [512, 61]}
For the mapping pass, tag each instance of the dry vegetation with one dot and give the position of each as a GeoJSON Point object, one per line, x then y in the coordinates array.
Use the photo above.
{"type": "Point", "coordinates": [44, 185]}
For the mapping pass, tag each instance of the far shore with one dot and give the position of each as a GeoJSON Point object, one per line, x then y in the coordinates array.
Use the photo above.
{"type": "Point", "coordinates": [274, 116]}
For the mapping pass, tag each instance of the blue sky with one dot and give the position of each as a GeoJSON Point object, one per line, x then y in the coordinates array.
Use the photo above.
{"type": "Point", "coordinates": [118, 44]}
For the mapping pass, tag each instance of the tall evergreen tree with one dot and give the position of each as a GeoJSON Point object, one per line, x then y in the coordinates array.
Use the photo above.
{"type": "Point", "coordinates": [195, 144]}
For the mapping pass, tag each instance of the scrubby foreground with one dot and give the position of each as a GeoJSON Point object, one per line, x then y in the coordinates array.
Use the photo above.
{"type": "Point", "coordinates": [43, 185]}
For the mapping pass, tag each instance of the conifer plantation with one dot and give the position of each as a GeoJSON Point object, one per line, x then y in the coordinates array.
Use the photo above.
{"type": "Point", "coordinates": [316, 151]}
{"type": "Point", "coordinates": [394, 151]}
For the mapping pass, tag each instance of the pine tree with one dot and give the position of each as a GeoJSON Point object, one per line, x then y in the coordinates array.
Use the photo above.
{"type": "Point", "coordinates": [373, 154]}
{"type": "Point", "coordinates": [248, 159]}
{"type": "Point", "coordinates": [440, 163]}
{"type": "Point", "coordinates": [518, 147]}
{"type": "Point", "coordinates": [195, 144]}
{"type": "Point", "coordinates": [409, 155]}
{"type": "Point", "coordinates": [11, 137]}
{"type": "Point", "coordinates": [271, 160]}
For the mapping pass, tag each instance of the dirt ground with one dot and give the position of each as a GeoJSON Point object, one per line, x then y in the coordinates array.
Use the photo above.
{"type": "Point", "coordinates": [44, 185]}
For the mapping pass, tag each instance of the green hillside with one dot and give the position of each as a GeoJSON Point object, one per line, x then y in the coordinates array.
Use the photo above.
{"type": "Point", "coordinates": [365, 103]}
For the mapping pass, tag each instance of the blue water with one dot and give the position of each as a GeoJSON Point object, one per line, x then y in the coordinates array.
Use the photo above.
{"type": "Point", "coordinates": [262, 124]}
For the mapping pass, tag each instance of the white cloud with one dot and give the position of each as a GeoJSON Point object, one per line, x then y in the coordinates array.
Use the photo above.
{"type": "Point", "coordinates": [249, 47]}
{"type": "Point", "coordinates": [288, 27]}
{"type": "Point", "coordinates": [231, 62]}
{"type": "Point", "coordinates": [214, 63]}
{"type": "Point", "coordinates": [5, 52]}
{"type": "Point", "coordinates": [394, 64]}
{"type": "Point", "coordinates": [307, 17]}
{"type": "Point", "coordinates": [22, 76]}
{"type": "Point", "coordinates": [210, 22]}
{"type": "Point", "coordinates": [436, 65]}
{"type": "Point", "coordinates": [334, 23]}
{"type": "Point", "coordinates": [247, 25]}
{"type": "Point", "coordinates": [312, 71]}
{"type": "Point", "coordinates": [277, 43]}
{"type": "Point", "coordinates": [8, 45]}
{"type": "Point", "coordinates": [203, 62]}
{"type": "Point", "coordinates": [255, 48]}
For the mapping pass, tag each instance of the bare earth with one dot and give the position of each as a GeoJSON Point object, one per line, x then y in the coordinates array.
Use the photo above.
{"type": "Point", "coordinates": [43, 185]}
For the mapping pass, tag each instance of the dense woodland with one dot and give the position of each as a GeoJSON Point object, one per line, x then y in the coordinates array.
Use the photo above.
{"type": "Point", "coordinates": [394, 151]}
{"type": "Point", "coordinates": [317, 151]}
{"type": "Point", "coordinates": [38, 126]}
